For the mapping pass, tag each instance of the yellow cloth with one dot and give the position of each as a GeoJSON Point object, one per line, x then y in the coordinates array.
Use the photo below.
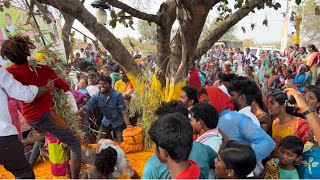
{"type": "Point", "coordinates": [121, 86]}
{"type": "Point", "coordinates": [57, 153]}
{"type": "Point", "coordinates": [296, 127]}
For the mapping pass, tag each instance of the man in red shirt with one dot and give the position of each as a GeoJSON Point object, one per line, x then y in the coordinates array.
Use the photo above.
{"type": "Point", "coordinates": [172, 135]}
{"type": "Point", "coordinates": [39, 113]}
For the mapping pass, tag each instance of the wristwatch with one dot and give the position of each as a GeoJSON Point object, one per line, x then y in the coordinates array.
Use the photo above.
{"type": "Point", "coordinates": [308, 111]}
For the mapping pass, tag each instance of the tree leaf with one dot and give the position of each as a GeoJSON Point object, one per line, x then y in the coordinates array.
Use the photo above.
{"type": "Point", "coordinates": [252, 26]}
{"type": "Point", "coordinates": [113, 14]}
{"type": "Point", "coordinates": [85, 39]}
{"type": "Point", "coordinates": [1, 8]}
{"type": "Point", "coordinates": [298, 2]}
{"type": "Point", "coordinates": [265, 22]}
{"type": "Point", "coordinates": [121, 13]}
{"type": "Point", "coordinates": [113, 23]}
{"type": "Point", "coordinates": [243, 29]}
{"type": "Point", "coordinates": [7, 4]}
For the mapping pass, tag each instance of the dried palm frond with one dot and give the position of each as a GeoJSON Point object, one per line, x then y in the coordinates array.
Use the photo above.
{"type": "Point", "coordinates": [61, 103]}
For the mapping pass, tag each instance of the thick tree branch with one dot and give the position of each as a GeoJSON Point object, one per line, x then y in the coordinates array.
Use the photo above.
{"type": "Point", "coordinates": [66, 31]}
{"type": "Point", "coordinates": [167, 14]}
{"type": "Point", "coordinates": [108, 40]}
{"type": "Point", "coordinates": [134, 12]}
{"type": "Point", "coordinates": [42, 8]}
{"type": "Point", "coordinates": [216, 34]}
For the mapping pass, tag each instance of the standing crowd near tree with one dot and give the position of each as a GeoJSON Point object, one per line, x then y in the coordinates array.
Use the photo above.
{"type": "Point", "coordinates": [238, 116]}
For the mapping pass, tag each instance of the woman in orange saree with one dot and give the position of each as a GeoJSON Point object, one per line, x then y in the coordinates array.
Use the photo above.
{"type": "Point", "coordinates": [312, 62]}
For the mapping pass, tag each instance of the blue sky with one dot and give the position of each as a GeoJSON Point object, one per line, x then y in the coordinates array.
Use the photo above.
{"type": "Point", "coordinates": [260, 34]}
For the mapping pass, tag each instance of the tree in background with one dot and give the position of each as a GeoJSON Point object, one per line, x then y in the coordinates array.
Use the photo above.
{"type": "Point", "coordinates": [248, 43]}
{"type": "Point", "coordinates": [133, 44]}
{"type": "Point", "coordinates": [148, 31]}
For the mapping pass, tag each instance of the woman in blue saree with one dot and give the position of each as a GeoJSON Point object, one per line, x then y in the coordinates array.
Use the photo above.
{"type": "Point", "coordinates": [302, 78]}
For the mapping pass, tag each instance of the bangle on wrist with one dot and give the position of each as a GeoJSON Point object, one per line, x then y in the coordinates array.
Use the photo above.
{"type": "Point", "coordinates": [49, 87]}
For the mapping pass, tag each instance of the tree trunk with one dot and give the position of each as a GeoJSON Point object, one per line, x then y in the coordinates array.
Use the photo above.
{"type": "Point", "coordinates": [192, 16]}
{"type": "Point", "coordinates": [66, 32]}
{"type": "Point", "coordinates": [167, 14]}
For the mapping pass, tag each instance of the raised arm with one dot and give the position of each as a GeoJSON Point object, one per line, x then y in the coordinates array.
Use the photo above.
{"type": "Point", "coordinates": [92, 103]}
{"type": "Point", "coordinates": [304, 108]}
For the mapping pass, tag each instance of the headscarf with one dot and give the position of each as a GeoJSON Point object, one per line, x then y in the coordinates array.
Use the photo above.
{"type": "Point", "coordinates": [228, 63]}
{"type": "Point", "coordinates": [301, 66]}
{"type": "Point", "coordinates": [219, 99]}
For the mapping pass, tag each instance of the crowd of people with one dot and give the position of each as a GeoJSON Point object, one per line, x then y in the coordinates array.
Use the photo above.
{"type": "Point", "coordinates": [239, 116]}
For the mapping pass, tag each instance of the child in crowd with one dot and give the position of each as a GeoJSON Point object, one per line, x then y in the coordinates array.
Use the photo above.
{"type": "Point", "coordinates": [235, 160]}
{"type": "Point", "coordinates": [310, 167]}
{"type": "Point", "coordinates": [82, 85]}
{"type": "Point", "coordinates": [204, 120]}
{"type": "Point", "coordinates": [289, 151]}
{"type": "Point", "coordinates": [110, 162]}
{"type": "Point", "coordinates": [172, 135]}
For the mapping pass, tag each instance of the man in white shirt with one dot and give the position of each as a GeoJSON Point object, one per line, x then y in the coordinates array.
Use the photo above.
{"type": "Point", "coordinates": [243, 93]}
{"type": "Point", "coordinates": [259, 72]}
{"type": "Point", "coordinates": [10, 27]}
{"type": "Point", "coordinates": [12, 150]}
{"type": "Point", "coordinates": [249, 59]}
{"type": "Point", "coordinates": [93, 87]}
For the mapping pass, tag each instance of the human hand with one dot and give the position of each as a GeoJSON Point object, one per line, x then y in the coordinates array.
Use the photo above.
{"type": "Point", "coordinates": [130, 126]}
{"type": "Point", "coordinates": [50, 85]}
{"type": "Point", "coordinates": [290, 86]}
{"type": "Point", "coordinates": [300, 100]}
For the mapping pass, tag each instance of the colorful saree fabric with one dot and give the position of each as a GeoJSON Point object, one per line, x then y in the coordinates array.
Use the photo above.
{"type": "Point", "coordinates": [296, 127]}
